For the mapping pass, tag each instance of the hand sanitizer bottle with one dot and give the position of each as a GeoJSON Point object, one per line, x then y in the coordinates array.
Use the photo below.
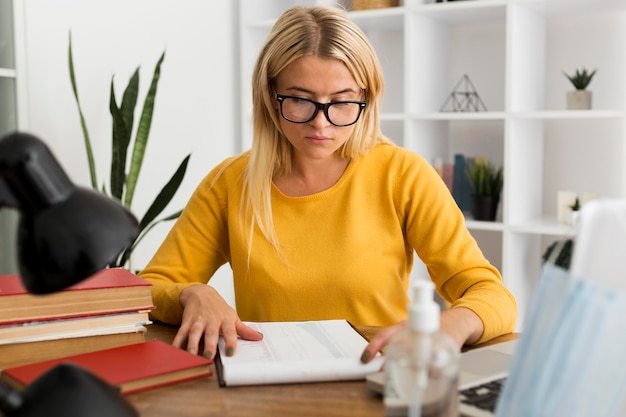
{"type": "Point", "coordinates": [422, 363]}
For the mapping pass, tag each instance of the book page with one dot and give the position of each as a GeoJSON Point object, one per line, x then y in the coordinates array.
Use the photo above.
{"type": "Point", "coordinates": [292, 352]}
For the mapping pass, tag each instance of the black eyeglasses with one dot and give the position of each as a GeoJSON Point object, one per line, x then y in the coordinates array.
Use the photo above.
{"type": "Point", "coordinates": [303, 110]}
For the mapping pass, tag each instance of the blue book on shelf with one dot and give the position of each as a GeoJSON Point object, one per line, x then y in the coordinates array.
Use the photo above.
{"type": "Point", "coordinates": [461, 190]}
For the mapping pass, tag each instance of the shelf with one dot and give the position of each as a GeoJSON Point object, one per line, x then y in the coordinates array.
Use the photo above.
{"type": "Point", "coordinates": [464, 12]}
{"type": "Point", "coordinates": [543, 226]}
{"type": "Point", "coordinates": [554, 8]}
{"type": "Point", "coordinates": [391, 18]}
{"type": "Point", "coordinates": [7, 73]}
{"type": "Point", "coordinates": [569, 114]}
{"type": "Point", "coordinates": [482, 225]}
{"type": "Point", "coordinates": [459, 116]}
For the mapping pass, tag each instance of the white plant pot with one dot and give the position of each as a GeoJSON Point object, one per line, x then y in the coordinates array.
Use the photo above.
{"type": "Point", "coordinates": [572, 217]}
{"type": "Point", "coordinates": [579, 100]}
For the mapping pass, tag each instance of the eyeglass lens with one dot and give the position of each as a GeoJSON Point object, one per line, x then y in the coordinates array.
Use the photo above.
{"type": "Point", "coordinates": [301, 110]}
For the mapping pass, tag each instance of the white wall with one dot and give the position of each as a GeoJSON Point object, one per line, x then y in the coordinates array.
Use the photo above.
{"type": "Point", "coordinates": [197, 100]}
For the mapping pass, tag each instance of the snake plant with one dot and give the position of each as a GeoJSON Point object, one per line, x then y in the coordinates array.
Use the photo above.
{"type": "Point", "coordinates": [122, 184]}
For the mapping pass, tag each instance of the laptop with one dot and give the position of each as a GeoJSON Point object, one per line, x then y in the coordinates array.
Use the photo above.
{"type": "Point", "coordinates": [482, 374]}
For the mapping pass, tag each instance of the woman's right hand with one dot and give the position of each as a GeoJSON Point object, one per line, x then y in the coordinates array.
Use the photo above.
{"type": "Point", "coordinates": [206, 316]}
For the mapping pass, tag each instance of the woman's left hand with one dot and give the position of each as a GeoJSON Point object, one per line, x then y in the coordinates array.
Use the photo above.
{"type": "Point", "coordinates": [380, 340]}
{"type": "Point", "coordinates": [462, 324]}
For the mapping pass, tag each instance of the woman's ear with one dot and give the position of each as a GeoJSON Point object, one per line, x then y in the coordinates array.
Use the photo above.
{"type": "Point", "coordinates": [273, 97]}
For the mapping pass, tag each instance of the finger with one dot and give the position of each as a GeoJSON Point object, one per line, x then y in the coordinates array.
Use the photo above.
{"type": "Point", "coordinates": [248, 333]}
{"type": "Point", "coordinates": [379, 341]}
{"type": "Point", "coordinates": [194, 336]}
{"type": "Point", "coordinates": [181, 336]}
{"type": "Point", "coordinates": [211, 336]}
{"type": "Point", "coordinates": [229, 333]}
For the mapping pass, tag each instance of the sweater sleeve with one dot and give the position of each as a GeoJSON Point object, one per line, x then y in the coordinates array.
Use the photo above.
{"type": "Point", "coordinates": [435, 228]}
{"type": "Point", "coordinates": [195, 247]}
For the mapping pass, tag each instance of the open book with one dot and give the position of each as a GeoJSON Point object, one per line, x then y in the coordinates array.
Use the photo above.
{"type": "Point", "coordinates": [295, 352]}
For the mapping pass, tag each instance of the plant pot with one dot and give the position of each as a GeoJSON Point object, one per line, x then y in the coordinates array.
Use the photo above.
{"type": "Point", "coordinates": [485, 207]}
{"type": "Point", "coordinates": [579, 100]}
{"type": "Point", "coordinates": [572, 217]}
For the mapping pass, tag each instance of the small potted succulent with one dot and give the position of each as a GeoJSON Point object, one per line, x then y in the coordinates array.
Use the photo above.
{"type": "Point", "coordinates": [580, 98]}
{"type": "Point", "coordinates": [574, 212]}
{"type": "Point", "coordinates": [486, 181]}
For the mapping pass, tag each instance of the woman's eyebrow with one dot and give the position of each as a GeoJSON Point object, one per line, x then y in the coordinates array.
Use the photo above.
{"type": "Point", "coordinates": [296, 89]}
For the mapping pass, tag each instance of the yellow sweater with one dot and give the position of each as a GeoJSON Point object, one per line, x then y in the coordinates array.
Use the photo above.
{"type": "Point", "coordinates": [346, 252]}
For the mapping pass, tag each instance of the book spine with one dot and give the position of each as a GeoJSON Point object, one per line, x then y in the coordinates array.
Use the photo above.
{"type": "Point", "coordinates": [460, 185]}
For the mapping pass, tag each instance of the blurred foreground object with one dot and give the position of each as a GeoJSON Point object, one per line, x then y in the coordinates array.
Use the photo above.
{"type": "Point", "coordinates": [65, 234]}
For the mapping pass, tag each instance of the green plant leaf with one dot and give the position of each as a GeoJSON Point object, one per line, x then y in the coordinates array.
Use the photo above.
{"type": "Point", "coordinates": [125, 256]}
{"type": "Point", "coordinates": [118, 151]}
{"type": "Point", "coordinates": [123, 117]}
{"type": "Point", "coordinates": [129, 103]}
{"type": "Point", "coordinates": [90, 159]}
{"type": "Point", "coordinates": [122, 185]}
{"type": "Point", "coordinates": [165, 195]}
{"type": "Point", "coordinates": [160, 202]}
{"type": "Point", "coordinates": [143, 131]}
{"type": "Point", "coordinates": [581, 78]}
{"type": "Point", "coordinates": [485, 178]}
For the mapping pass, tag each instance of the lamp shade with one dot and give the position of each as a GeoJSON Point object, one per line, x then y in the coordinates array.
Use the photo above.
{"type": "Point", "coordinates": [65, 233]}
{"type": "Point", "coordinates": [70, 391]}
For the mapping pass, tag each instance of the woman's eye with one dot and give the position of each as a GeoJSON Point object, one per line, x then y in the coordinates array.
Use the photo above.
{"type": "Point", "coordinates": [300, 100]}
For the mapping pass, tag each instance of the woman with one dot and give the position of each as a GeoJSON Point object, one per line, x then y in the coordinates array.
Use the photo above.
{"type": "Point", "coordinates": [320, 219]}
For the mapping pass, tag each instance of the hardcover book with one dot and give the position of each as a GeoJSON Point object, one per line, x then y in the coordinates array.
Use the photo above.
{"type": "Point", "coordinates": [17, 354]}
{"type": "Point", "coordinates": [131, 368]}
{"type": "Point", "coordinates": [296, 352]}
{"type": "Point", "coordinates": [461, 189]}
{"type": "Point", "coordinates": [109, 290]}
{"type": "Point", "coordinates": [33, 331]}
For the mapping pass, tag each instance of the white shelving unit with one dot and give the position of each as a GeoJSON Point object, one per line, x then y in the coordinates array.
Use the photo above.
{"type": "Point", "coordinates": [515, 52]}
{"type": "Point", "coordinates": [12, 113]}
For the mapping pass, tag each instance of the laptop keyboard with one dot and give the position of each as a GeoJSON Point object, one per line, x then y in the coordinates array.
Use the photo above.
{"type": "Point", "coordinates": [483, 396]}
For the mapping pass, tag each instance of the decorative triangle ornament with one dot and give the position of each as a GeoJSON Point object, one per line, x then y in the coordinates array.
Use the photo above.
{"type": "Point", "coordinates": [463, 98]}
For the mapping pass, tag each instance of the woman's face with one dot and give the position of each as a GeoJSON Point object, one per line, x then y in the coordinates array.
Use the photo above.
{"type": "Point", "coordinates": [323, 80]}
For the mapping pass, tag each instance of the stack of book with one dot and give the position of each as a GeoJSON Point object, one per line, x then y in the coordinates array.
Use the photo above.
{"type": "Point", "coordinates": [107, 310]}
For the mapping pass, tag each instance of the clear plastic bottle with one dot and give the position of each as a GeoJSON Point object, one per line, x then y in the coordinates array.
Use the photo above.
{"type": "Point", "coordinates": [422, 363]}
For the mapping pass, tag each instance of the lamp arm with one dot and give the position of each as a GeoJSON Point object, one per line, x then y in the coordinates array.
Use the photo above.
{"type": "Point", "coordinates": [10, 399]}
{"type": "Point", "coordinates": [7, 198]}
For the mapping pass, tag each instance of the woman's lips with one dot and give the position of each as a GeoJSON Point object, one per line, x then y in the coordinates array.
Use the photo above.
{"type": "Point", "coordinates": [318, 139]}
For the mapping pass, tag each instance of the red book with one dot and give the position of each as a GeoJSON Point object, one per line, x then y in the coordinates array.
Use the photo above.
{"type": "Point", "coordinates": [108, 291]}
{"type": "Point", "coordinates": [131, 368]}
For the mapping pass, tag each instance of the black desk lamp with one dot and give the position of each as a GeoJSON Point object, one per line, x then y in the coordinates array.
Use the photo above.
{"type": "Point", "coordinates": [65, 234]}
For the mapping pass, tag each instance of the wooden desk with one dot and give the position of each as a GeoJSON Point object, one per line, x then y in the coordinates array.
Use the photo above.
{"type": "Point", "coordinates": [203, 397]}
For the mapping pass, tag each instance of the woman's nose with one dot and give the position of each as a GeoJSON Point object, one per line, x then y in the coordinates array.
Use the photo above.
{"type": "Point", "coordinates": [320, 119]}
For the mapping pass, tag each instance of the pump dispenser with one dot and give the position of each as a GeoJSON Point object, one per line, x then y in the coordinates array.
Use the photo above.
{"type": "Point", "coordinates": [422, 364]}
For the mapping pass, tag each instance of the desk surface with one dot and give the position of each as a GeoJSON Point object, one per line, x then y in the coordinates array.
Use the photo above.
{"type": "Point", "coordinates": [204, 397]}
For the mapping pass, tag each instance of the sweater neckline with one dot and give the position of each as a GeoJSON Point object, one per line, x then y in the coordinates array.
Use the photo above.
{"type": "Point", "coordinates": [347, 173]}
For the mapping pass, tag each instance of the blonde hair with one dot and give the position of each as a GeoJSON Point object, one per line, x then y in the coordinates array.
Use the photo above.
{"type": "Point", "coordinates": [304, 31]}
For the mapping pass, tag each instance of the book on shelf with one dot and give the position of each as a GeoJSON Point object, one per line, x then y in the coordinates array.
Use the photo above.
{"type": "Point", "coordinates": [37, 330]}
{"type": "Point", "coordinates": [448, 176]}
{"type": "Point", "coordinates": [17, 354]}
{"type": "Point", "coordinates": [461, 189]}
{"type": "Point", "coordinates": [296, 352]}
{"type": "Point", "coordinates": [109, 290]}
{"type": "Point", "coordinates": [445, 171]}
{"type": "Point", "coordinates": [130, 368]}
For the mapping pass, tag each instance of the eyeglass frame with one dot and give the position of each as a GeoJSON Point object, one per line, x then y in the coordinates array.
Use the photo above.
{"type": "Point", "coordinates": [319, 106]}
